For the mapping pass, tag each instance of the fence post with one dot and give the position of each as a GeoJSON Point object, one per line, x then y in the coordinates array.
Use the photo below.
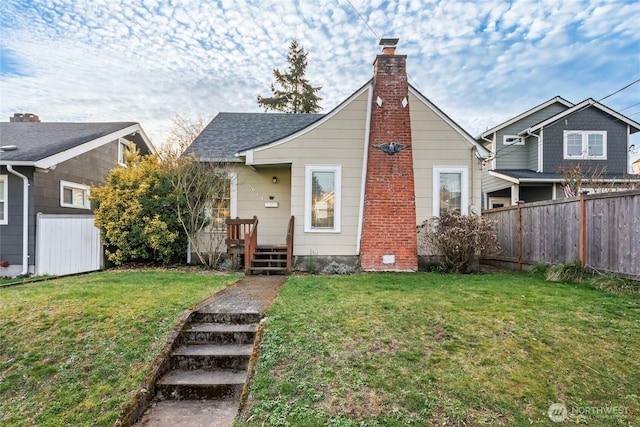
{"type": "Point", "coordinates": [582, 239]}
{"type": "Point", "coordinates": [519, 237]}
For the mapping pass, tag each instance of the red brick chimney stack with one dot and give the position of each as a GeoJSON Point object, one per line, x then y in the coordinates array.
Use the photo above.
{"type": "Point", "coordinates": [389, 239]}
{"type": "Point", "coordinates": [24, 117]}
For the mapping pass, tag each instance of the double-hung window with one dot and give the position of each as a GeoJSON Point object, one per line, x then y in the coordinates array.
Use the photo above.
{"type": "Point", "coordinates": [74, 195]}
{"type": "Point", "coordinates": [450, 190]}
{"type": "Point", "coordinates": [223, 206]}
{"type": "Point", "coordinates": [585, 144]}
{"type": "Point", "coordinates": [4, 205]}
{"type": "Point", "coordinates": [322, 198]}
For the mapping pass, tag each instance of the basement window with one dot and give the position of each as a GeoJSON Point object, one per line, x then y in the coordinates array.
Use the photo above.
{"type": "Point", "coordinates": [4, 205]}
{"type": "Point", "coordinates": [74, 195]}
{"type": "Point", "coordinates": [322, 198]}
{"type": "Point", "coordinates": [450, 190]}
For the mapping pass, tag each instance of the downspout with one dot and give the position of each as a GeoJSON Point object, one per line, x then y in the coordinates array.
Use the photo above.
{"type": "Point", "coordinates": [25, 220]}
{"type": "Point", "coordinates": [539, 138]}
{"type": "Point", "coordinates": [365, 158]}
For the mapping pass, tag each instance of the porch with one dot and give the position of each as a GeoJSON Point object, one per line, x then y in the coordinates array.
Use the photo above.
{"type": "Point", "coordinates": [242, 247]}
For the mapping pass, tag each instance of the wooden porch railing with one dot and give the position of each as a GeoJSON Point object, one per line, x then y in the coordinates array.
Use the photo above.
{"type": "Point", "coordinates": [243, 233]}
{"type": "Point", "coordinates": [290, 244]}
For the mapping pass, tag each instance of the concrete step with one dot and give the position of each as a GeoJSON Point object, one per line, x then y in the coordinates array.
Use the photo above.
{"type": "Point", "coordinates": [268, 270]}
{"type": "Point", "coordinates": [210, 357]}
{"type": "Point", "coordinates": [219, 333]}
{"type": "Point", "coordinates": [205, 316]}
{"type": "Point", "coordinates": [200, 384]}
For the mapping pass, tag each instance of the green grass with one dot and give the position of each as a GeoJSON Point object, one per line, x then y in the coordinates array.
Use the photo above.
{"type": "Point", "coordinates": [445, 350]}
{"type": "Point", "coordinates": [73, 351]}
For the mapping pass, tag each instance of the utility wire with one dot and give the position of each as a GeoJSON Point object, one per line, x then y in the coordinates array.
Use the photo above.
{"type": "Point", "coordinates": [363, 20]}
{"type": "Point", "coordinates": [619, 90]}
{"type": "Point", "coordinates": [632, 105]}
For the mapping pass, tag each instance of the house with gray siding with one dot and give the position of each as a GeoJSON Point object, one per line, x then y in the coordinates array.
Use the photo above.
{"type": "Point", "coordinates": [46, 170]}
{"type": "Point", "coordinates": [530, 152]}
{"type": "Point", "coordinates": [350, 185]}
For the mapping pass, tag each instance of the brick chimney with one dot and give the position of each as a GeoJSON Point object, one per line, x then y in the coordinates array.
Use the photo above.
{"type": "Point", "coordinates": [24, 117]}
{"type": "Point", "coordinates": [389, 238]}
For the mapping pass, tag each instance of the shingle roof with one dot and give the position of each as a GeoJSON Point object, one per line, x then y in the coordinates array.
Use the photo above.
{"type": "Point", "coordinates": [230, 133]}
{"type": "Point", "coordinates": [36, 140]}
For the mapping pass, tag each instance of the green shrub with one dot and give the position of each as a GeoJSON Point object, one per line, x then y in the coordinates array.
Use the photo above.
{"type": "Point", "coordinates": [617, 284]}
{"type": "Point", "coordinates": [539, 269]}
{"type": "Point", "coordinates": [568, 272]}
{"type": "Point", "coordinates": [135, 212]}
{"type": "Point", "coordinates": [338, 268]}
{"type": "Point", "coordinates": [311, 262]}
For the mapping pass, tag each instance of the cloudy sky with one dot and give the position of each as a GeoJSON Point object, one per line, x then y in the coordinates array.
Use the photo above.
{"type": "Point", "coordinates": [480, 61]}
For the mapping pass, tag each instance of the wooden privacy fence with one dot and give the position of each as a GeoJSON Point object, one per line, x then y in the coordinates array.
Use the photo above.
{"type": "Point", "coordinates": [601, 230]}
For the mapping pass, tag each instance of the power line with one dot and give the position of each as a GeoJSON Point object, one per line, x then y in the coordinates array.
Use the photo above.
{"type": "Point", "coordinates": [363, 20]}
{"type": "Point", "coordinates": [626, 108]}
{"type": "Point", "coordinates": [620, 90]}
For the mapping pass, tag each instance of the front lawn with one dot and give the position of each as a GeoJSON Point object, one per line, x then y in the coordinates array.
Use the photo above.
{"type": "Point", "coordinates": [73, 351]}
{"type": "Point", "coordinates": [446, 350]}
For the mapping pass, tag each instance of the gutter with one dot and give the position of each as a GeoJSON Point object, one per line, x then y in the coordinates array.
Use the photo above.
{"type": "Point", "coordinates": [25, 221]}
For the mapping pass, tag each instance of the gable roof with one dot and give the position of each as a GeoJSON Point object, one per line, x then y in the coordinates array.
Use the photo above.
{"type": "Point", "coordinates": [556, 99]}
{"type": "Point", "coordinates": [231, 133]}
{"type": "Point", "coordinates": [589, 102]}
{"type": "Point", "coordinates": [47, 144]}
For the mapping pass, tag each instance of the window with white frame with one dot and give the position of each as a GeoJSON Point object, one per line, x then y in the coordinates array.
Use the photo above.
{"type": "Point", "coordinates": [4, 205]}
{"type": "Point", "coordinates": [322, 198]}
{"type": "Point", "coordinates": [450, 190]}
{"type": "Point", "coordinates": [223, 206]}
{"type": "Point", "coordinates": [585, 144]}
{"type": "Point", "coordinates": [74, 195]}
{"type": "Point", "coordinates": [512, 140]}
{"type": "Point", "coordinates": [123, 150]}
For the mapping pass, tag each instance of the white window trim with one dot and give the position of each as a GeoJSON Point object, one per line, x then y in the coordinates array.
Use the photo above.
{"type": "Point", "coordinates": [464, 193]}
{"type": "Point", "coordinates": [337, 170]}
{"type": "Point", "coordinates": [4, 181]}
{"type": "Point", "coordinates": [506, 137]}
{"type": "Point", "coordinates": [233, 205]}
{"type": "Point", "coordinates": [122, 145]}
{"type": "Point", "coordinates": [67, 184]}
{"type": "Point", "coordinates": [585, 144]}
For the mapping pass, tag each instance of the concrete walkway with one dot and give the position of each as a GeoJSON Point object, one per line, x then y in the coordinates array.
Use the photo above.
{"type": "Point", "coordinates": [252, 294]}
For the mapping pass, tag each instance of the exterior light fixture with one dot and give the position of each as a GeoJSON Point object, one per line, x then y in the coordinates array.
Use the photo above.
{"type": "Point", "coordinates": [274, 179]}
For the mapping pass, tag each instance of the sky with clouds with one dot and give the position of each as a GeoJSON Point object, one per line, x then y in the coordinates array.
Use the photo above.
{"type": "Point", "coordinates": [481, 62]}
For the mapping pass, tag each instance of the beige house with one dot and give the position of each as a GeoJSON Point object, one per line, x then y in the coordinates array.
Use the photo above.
{"type": "Point", "coordinates": [357, 180]}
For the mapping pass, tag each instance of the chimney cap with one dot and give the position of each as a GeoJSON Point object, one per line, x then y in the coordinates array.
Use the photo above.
{"type": "Point", "coordinates": [389, 42]}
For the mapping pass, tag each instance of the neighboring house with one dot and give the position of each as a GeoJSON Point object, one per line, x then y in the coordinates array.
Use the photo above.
{"type": "Point", "coordinates": [46, 221]}
{"type": "Point", "coordinates": [530, 151]}
{"type": "Point", "coordinates": [635, 167]}
{"type": "Point", "coordinates": [358, 179]}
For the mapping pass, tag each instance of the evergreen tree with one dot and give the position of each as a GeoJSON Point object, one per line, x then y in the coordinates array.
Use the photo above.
{"type": "Point", "coordinates": [296, 94]}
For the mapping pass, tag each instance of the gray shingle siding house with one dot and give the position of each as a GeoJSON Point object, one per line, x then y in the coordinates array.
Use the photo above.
{"type": "Point", "coordinates": [530, 150]}
{"type": "Point", "coordinates": [53, 164]}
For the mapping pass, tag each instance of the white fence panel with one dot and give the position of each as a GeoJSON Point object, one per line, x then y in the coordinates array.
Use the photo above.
{"type": "Point", "coordinates": [67, 244]}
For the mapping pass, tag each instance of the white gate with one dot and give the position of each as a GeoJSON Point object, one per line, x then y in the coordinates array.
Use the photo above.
{"type": "Point", "coordinates": [67, 244]}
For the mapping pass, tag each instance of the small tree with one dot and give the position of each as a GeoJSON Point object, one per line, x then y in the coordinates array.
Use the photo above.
{"type": "Point", "coordinates": [460, 241]}
{"type": "Point", "coordinates": [200, 188]}
{"type": "Point", "coordinates": [575, 180]}
{"type": "Point", "coordinates": [135, 212]}
{"type": "Point", "coordinates": [297, 94]}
